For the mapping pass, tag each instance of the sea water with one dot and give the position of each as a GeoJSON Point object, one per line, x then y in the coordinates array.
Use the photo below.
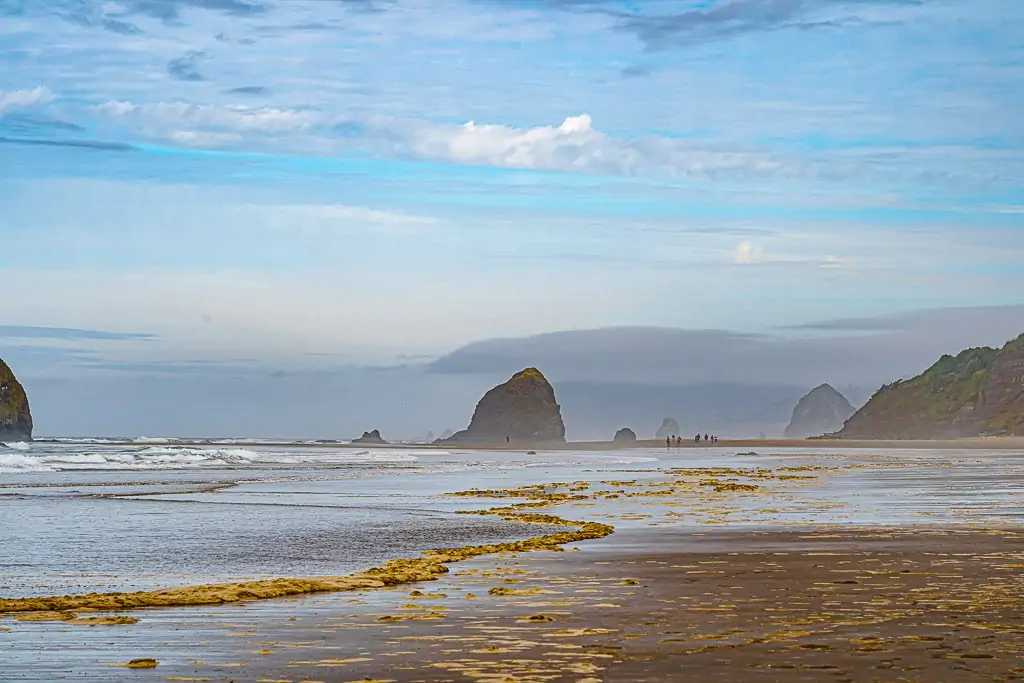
{"type": "Point", "coordinates": [103, 515]}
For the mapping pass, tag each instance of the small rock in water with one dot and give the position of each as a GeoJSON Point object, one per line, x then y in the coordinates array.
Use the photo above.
{"type": "Point", "coordinates": [142, 663]}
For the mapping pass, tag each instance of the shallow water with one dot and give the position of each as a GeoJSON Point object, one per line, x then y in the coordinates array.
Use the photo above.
{"type": "Point", "coordinates": [82, 517]}
{"type": "Point", "coordinates": [93, 517]}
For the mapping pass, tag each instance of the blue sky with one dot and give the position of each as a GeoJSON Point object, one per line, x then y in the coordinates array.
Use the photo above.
{"type": "Point", "coordinates": [302, 184]}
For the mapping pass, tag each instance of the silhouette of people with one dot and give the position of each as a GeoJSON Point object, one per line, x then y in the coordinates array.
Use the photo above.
{"type": "Point", "coordinates": [705, 437]}
{"type": "Point", "coordinates": [507, 440]}
{"type": "Point", "coordinates": [668, 442]}
{"type": "Point", "coordinates": [696, 439]}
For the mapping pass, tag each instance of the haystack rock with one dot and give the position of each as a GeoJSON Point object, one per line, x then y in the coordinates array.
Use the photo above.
{"type": "Point", "coordinates": [624, 437]}
{"type": "Point", "coordinates": [430, 437]}
{"type": "Point", "coordinates": [821, 411]}
{"type": "Point", "coordinates": [446, 434]}
{"type": "Point", "coordinates": [15, 416]}
{"type": "Point", "coordinates": [373, 437]}
{"type": "Point", "coordinates": [521, 411]}
{"type": "Point", "coordinates": [978, 392]}
{"type": "Point", "coordinates": [669, 427]}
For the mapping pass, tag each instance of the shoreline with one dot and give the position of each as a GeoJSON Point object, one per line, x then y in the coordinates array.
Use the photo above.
{"type": "Point", "coordinates": [969, 443]}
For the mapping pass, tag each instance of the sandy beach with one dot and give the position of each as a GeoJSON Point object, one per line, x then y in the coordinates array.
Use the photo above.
{"type": "Point", "coordinates": [712, 564]}
{"type": "Point", "coordinates": [865, 605]}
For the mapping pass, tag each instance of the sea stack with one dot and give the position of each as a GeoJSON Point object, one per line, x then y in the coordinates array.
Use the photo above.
{"type": "Point", "coordinates": [821, 411]}
{"type": "Point", "coordinates": [978, 392]}
{"type": "Point", "coordinates": [373, 437]}
{"type": "Point", "coordinates": [15, 416]}
{"type": "Point", "coordinates": [522, 411]}
{"type": "Point", "coordinates": [624, 437]}
{"type": "Point", "coordinates": [669, 427]}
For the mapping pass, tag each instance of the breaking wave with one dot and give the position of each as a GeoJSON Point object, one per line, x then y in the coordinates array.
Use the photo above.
{"type": "Point", "coordinates": [60, 458]}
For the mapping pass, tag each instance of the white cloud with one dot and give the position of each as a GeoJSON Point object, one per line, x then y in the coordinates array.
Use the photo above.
{"type": "Point", "coordinates": [12, 100]}
{"type": "Point", "coordinates": [191, 138]}
{"type": "Point", "coordinates": [746, 252]}
{"type": "Point", "coordinates": [206, 125]}
{"type": "Point", "coordinates": [569, 146]}
{"type": "Point", "coordinates": [315, 217]}
{"type": "Point", "coordinates": [576, 145]}
{"type": "Point", "coordinates": [833, 261]}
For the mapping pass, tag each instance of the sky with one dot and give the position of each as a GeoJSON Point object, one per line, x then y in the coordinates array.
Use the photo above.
{"type": "Point", "coordinates": [194, 188]}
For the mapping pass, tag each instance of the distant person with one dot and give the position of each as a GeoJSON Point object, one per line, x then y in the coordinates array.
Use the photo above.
{"type": "Point", "coordinates": [508, 440]}
{"type": "Point", "coordinates": [696, 439]}
{"type": "Point", "coordinates": [668, 442]}
{"type": "Point", "coordinates": [705, 437]}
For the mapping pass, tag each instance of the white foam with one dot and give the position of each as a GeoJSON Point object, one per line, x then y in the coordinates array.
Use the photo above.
{"type": "Point", "coordinates": [52, 457]}
{"type": "Point", "coordinates": [18, 446]}
{"type": "Point", "coordinates": [22, 463]}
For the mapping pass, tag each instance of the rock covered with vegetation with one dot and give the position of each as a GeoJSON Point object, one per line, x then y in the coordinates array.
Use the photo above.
{"type": "Point", "coordinates": [822, 410]}
{"type": "Point", "coordinates": [15, 416]}
{"type": "Point", "coordinates": [521, 411]}
{"type": "Point", "coordinates": [978, 392]}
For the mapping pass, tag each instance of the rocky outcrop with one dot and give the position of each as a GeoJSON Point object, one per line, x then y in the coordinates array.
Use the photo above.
{"type": "Point", "coordinates": [669, 427]}
{"type": "Point", "coordinates": [978, 392]}
{"type": "Point", "coordinates": [430, 437]}
{"type": "Point", "coordinates": [15, 416]}
{"type": "Point", "coordinates": [373, 437]}
{"type": "Point", "coordinates": [521, 411]}
{"type": "Point", "coordinates": [821, 411]}
{"type": "Point", "coordinates": [624, 437]}
{"type": "Point", "coordinates": [446, 434]}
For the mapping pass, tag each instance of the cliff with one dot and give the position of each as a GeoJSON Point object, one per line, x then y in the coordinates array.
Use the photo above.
{"type": "Point", "coordinates": [15, 416]}
{"type": "Point", "coordinates": [821, 410]}
{"type": "Point", "coordinates": [523, 410]}
{"type": "Point", "coordinates": [978, 392]}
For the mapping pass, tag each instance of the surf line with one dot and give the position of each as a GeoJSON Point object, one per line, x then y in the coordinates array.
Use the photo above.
{"type": "Point", "coordinates": [429, 566]}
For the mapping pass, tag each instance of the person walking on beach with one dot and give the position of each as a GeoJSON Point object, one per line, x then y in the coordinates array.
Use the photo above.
{"type": "Point", "coordinates": [696, 439]}
{"type": "Point", "coordinates": [668, 442]}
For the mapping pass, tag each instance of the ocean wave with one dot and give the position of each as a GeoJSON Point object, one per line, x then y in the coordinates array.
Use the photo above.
{"type": "Point", "coordinates": [21, 462]}
{"type": "Point", "coordinates": [16, 445]}
{"type": "Point", "coordinates": [186, 457]}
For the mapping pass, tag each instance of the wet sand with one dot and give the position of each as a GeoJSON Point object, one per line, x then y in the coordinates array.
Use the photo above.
{"type": "Point", "coordinates": [859, 605]}
{"type": "Point", "coordinates": [928, 605]}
